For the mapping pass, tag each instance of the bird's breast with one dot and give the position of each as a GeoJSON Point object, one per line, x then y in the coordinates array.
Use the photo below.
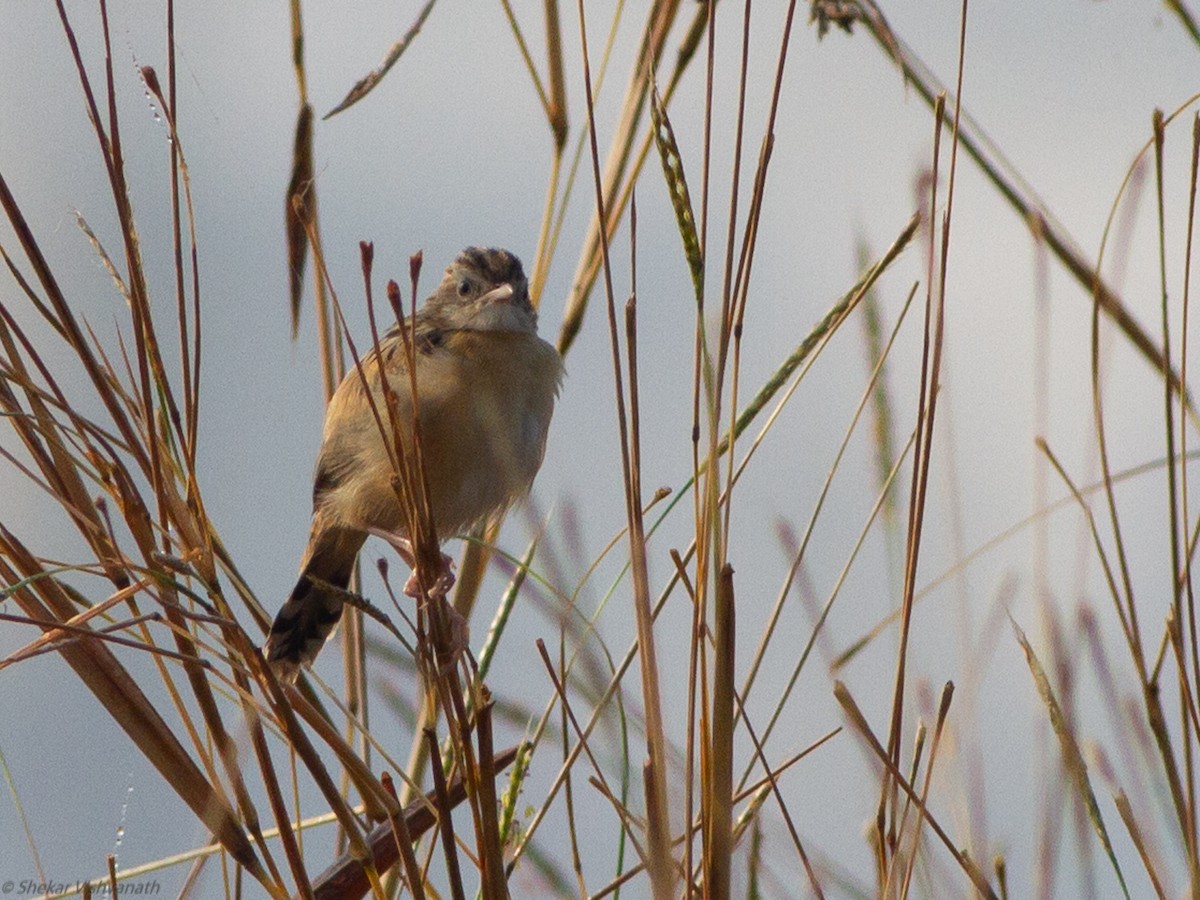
{"type": "Point", "coordinates": [486, 403]}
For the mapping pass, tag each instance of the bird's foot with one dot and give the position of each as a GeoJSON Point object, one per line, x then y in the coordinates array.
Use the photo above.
{"type": "Point", "coordinates": [458, 632]}
{"type": "Point", "coordinates": [399, 543]}
{"type": "Point", "coordinates": [441, 585]}
{"type": "Point", "coordinates": [412, 588]}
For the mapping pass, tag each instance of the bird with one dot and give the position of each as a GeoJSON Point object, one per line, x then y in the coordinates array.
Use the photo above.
{"type": "Point", "coordinates": [485, 390]}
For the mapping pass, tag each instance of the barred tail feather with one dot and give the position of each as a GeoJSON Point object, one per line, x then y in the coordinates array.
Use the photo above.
{"type": "Point", "coordinates": [311, 613]}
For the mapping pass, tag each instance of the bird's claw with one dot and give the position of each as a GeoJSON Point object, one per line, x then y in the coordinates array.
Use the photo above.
{"type": "Point", "coordinates": [458, 632]}
{"type": "Point", "coordinates": [441, 585]}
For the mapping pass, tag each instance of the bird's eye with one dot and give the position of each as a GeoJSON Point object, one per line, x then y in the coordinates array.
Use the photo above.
{"type": "Point", "coordinates": [464, 287]}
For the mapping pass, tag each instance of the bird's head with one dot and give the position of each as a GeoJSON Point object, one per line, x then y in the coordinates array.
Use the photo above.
{"type": "Point", "coordinates": [484, 290]}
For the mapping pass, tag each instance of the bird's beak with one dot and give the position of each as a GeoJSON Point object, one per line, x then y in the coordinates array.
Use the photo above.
{"type": "Point", "coordinates": [499, 294]}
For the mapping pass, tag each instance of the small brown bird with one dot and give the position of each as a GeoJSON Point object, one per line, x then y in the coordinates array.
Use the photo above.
{"type": "Point", "coordinates": [486, 385]}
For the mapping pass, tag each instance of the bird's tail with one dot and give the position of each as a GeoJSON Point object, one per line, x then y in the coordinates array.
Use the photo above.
{"type": "Point", "coordinates": [311, 613]}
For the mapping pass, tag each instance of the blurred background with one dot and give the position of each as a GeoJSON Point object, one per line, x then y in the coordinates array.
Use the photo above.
{"type": "Point", "coordinates": [451, 150]}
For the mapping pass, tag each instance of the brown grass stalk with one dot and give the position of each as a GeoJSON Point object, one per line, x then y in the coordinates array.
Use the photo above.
{"type": "Point", "coordinates": [661, 867]}
{"type": "Point", "coordinates": [859, 721]}
{"type": "Point", "coordinates": [931, 356]}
